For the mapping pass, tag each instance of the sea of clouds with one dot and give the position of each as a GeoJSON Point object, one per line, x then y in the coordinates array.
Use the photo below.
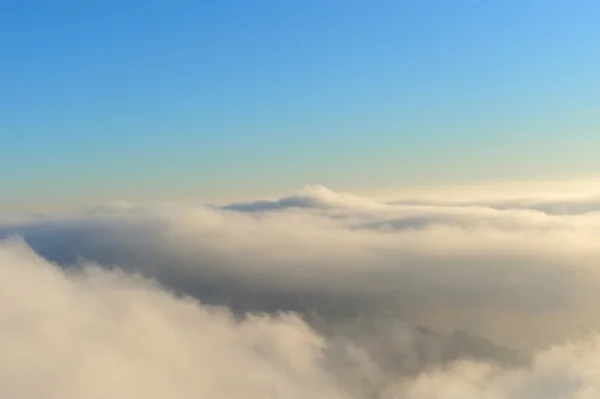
{"type": "Point", "coordinates": [315, 295]}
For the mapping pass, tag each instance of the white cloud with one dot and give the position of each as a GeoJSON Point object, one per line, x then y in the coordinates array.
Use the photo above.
{"type": "Point", "coordinates": [570, 372]}
{"type": "Point", "coordinates": [362, 273]}
{"type": "Point", "coordinates": [98, 334]}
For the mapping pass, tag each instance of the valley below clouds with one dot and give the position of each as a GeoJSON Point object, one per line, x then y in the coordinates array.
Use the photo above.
{"type": "Point", "coordinates": [318, 294]}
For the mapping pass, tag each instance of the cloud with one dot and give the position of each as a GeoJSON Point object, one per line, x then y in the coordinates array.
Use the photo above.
{"type": "Point", "coordinates": [551, 206]}
{"type": "Point", "coordinates": [98, 334]}
{"type": "Point", "coordinates": [340, 297]}
{"type": "Point", "coordinates": [95, 333]}
{"type": "Point", "coordinates": [470, 267]}
{"type": "Point", "coordinates": [571, 372]}
{"type": "Point", "coordinates": [312, 196]}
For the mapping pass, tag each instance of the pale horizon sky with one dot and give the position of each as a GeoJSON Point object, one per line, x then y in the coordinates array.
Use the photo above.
{"type": "Point", "coordinates": [214, 102]}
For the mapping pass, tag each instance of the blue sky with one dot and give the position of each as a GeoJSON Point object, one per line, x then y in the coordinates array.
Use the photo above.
{"type": "Point", "coordinates": [220, 99]}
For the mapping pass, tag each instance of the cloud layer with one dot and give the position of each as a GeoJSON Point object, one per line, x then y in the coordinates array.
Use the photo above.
{"type": "Point", "coordinates": [318, 294]}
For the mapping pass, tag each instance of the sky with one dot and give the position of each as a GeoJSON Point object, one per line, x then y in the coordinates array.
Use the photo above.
{"type": "Point", "coordinates": [219, 100]}
{"type": "Point", "coordinates": [300, 199]}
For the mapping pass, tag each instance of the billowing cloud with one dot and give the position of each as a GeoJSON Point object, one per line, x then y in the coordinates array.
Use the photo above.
{"type": "Point", "coordinates": [319, 294]}
{"type": "Point", "coordinates": [100, 334]}
{"type": "Point", "coordinates": [96, 334]}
